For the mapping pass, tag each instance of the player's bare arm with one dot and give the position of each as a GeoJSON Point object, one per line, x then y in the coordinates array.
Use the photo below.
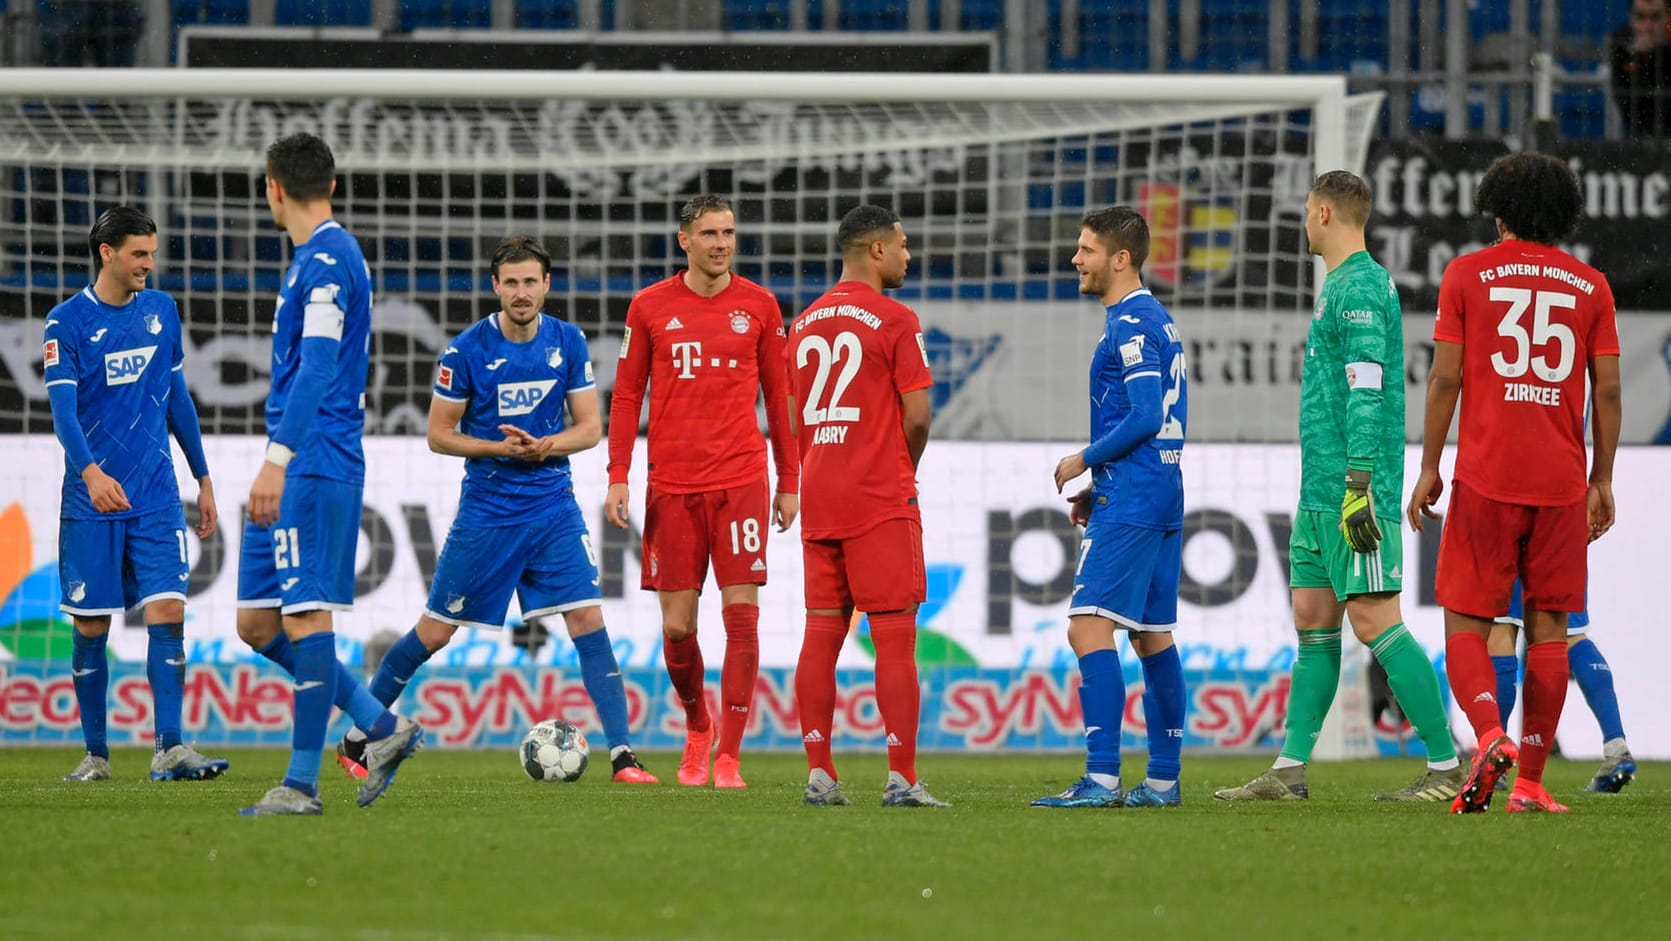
{"type": "Point", "coordinates": [1444, 385]}
{"type": "Point", "coordinates": [445, 438]}
{"type": "Point", "coordinates": [1606, 414]}
{"type": "Point", "coordinates": [583, 433]}
{"type": "Point", "coordinates": [916, 412]}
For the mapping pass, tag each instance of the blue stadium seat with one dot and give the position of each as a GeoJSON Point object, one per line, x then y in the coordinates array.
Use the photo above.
{"type": "Point", "coordinates": [446, 14]}
{"type": "Point", "coordinates": [322, 13]}
{"type": "Point", "coordinates": [547, 14]}
{"type": "Point", "coordinates": [210, 12]}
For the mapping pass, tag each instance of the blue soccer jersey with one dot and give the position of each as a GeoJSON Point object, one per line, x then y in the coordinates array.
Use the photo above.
{"type": "Point", "coordinates": [1146, 486]}
{"type": "Point", "coordinates": [327, 295]}
{"type": "Point", "coordinates": [521, 384]}
{"type": "Point", "coordinates": [121, 362]}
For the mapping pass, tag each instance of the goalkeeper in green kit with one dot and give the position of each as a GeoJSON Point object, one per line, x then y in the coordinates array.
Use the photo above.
{"type": "Point", "coordinates": [1346, 553]}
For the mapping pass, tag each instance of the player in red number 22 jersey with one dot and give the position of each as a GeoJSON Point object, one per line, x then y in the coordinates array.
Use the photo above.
{"type": "Point", "coordinates": [860, 400]}
{"type": "Point", "coordinates": [1520, 325]}
{"type": "Point", "coordinates": [708, 341]}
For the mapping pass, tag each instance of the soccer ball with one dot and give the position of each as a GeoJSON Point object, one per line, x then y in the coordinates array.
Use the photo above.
{"type": "Point", "coordinates": [554, 750]}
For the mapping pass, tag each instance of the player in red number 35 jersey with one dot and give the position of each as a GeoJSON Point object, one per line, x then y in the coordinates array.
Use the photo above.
{"type": "Point", "coordinates": [860, 400]}
{"type": "Point", "coordinates": [1521, 326]}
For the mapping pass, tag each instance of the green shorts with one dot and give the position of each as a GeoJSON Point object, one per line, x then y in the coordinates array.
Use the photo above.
{"type": "Point", "coordinates": [1318, 557]}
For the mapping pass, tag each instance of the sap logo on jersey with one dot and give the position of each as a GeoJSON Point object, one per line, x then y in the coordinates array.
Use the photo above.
{"type": "Point", "coordinates": [520, 398]}
{"type": "Point", "coordinates": [125, 366]}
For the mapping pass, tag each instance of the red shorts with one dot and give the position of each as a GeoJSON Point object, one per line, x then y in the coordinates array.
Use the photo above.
{"type": "Point", "coordinates": [1486, 544]}
{"type": "Point", "coordinates": [880, 570]}
{"type": "Point", "coordinates": [682, 531]}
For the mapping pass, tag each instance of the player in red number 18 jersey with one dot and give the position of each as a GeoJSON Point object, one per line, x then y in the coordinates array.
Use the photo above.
{"type": "Point", "coordinates": [860, 399]}
{"type": "Point", "coordinates": [707, 341]}
{"type": "Point", "coordinates": [1521, 326]}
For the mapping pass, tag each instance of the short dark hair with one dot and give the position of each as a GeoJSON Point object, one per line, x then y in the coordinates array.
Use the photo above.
{"type": "Point", "coordinates": [115, 226]}
{"type": "Point", "coordinates": [863, 225]}
{"type": "Point", "coordinates": [700, 205]}
{"type": "Point", "coordinates": [1535, 196]}
{"type": "Point", "coordinates": [302, 164]}
{"type": "Point", "coordinates": [1347, 193]}
{"type": "Point", "coordinates": [1120, 228]}
{"type": "Point", "coordinates": [520, 248]}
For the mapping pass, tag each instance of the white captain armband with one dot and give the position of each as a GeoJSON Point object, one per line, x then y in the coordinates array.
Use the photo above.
{"type": "Point", "coordinates": [322, 320]}
{"type": "Point", "coordinates": [1363, 375]}
{"type": "Point", "coordinates": [279, 454]}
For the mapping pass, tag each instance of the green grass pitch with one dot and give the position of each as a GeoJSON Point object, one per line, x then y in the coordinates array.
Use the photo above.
{"type": "Point", "coordinates": [464, 846]}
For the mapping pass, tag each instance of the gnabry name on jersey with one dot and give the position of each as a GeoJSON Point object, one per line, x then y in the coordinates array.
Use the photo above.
{"type": "Point", "coordinates": [521, 398]}
{"type": "Point", "coordinates": [125, 366]}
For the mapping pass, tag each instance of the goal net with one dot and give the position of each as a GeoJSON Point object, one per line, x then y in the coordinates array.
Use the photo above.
{"type": "Point", "coordinates": [991, 175]}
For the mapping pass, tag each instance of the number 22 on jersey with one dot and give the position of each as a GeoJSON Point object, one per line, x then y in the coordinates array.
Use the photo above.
{"type": "Point", "coordinates": [846, 349]}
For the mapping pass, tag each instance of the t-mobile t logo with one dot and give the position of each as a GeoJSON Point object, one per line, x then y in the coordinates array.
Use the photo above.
{"type": "Point", "coordinates": [686, 355]}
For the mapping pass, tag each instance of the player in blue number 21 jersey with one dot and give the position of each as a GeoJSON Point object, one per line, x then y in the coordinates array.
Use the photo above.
{"type": "Point", "coordinates": [1132, 554]}
{"type": "Point", "coordinates": [113, 359]}
{"type": "Point", "coordinates": [500, 393]}
{"type": "Point", "coordinates": [296, 566]}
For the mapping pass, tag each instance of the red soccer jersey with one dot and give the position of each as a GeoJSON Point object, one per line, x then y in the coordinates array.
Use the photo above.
{"type": "Point", "coordinates": [706, 360]}
{"type": "Point", "coordinates": [852, 354]}
{"type": "Point", "coordinates": [1530, 319]}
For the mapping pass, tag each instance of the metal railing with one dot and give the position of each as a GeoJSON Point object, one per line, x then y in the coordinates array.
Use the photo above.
{"type": "Point", "coordinates": [1430, 46]}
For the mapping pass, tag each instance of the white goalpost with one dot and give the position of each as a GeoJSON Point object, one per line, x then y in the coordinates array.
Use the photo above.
{"type": "Point", "coordinates": [991, 174]}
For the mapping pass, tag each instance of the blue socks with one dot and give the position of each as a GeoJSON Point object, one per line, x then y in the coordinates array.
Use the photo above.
{"type": "Point", "coordinates": [1508, 677]}
{"type": "Point", "coordinates": [91, 673]}
{"type": "Point", "coordinates": [1102, 699]}
{"type": "Point", "coordinates": [1163, 712]}
{"type": "Point", "coordinates": [165, 668]}
{"type": "Point", "coordinates": [602, 677]}
{"type": "Point", "coordinates": [351, 695]}
{"type": "Point", "coordinates": [1595, 681]}
{"type": "Point", "coordinates": [398, 667]}
{"type": "Point", "coordinates": [316, 676]}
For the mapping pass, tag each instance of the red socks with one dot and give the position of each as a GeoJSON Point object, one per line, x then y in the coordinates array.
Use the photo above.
{"type": "Point", "coordinates": [815, 687]}
{"type": "Point", "coordinates": [1474, 683]}
{"type": "Point", "coordinates": [897, 694]}
{"type": "Point", "coordinates": [737, 677]}
{"type": "Point", "coordinates": [684, 668]}
{"type": "Point", "coordinates": [1541, 702]}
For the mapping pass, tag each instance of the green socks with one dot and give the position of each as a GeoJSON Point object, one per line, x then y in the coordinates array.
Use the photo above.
{"type": "Point", "coordinates": [1414, 683]}
{"type": "Point", "coordinates": [1312, 688]}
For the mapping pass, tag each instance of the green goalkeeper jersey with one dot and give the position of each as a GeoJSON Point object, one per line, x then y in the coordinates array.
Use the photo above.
{"type": "Point", "coordinates": [1352, 389]}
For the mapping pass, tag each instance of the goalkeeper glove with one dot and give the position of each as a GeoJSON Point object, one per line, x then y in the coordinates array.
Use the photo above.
{"type": "Point", "coordinates": [1357, 513]}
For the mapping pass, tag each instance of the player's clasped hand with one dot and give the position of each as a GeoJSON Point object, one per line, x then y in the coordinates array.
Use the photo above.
{"type": "Point", "coordinates": [525, 447]}
{"type": "Point", "coordinates": [1357, 513]}
{"type": "Point", "coordinates": [107, 495]}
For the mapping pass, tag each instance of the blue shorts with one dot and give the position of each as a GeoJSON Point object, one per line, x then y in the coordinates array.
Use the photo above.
{"type": "Point", "coordinates": [549, 564]}
{"type": "Point", "coordinates": [1129, 575]}
{"type": "Point", "coordinates": [106, 566]}
{"type": "Point", "coordinates": [306, 561]}
{"type": "Point", "coordinates": [1578, 622]}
